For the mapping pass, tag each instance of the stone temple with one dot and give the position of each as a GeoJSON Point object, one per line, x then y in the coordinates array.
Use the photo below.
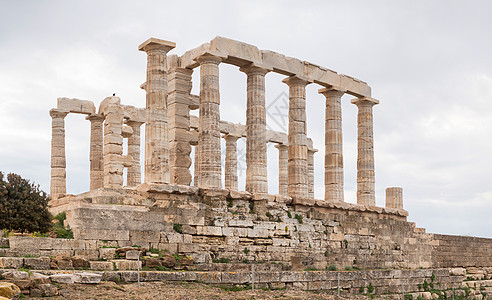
{"type": "Point", "coordinates": [211, 219]}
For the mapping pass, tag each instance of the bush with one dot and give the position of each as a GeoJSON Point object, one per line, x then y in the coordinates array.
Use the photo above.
{"type": "Point", "coordinates": [23, 205]}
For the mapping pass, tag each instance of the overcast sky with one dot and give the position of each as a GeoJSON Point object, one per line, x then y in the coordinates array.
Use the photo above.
{"type": "Point", "coordinates": [428, 62]}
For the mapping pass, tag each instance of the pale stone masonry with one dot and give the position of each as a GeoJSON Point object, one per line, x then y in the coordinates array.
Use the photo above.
{"type": "Point", "coordinates": [179, 123]}
{"type": "Point", "coordinates": [156, 132]}
{"type": "Point", "coordinates": [282, 169]}
{"type": "Point", "coordinates": [96, 151]}
{"type": "Point", "coordinates": [58, 159]}
{"type": "Point", "coordinates": [365, 151]}
{"type": "Point", "coordinates": [297, 151]}
{"type": "Point", "coordinates": [209, 165]}
{"type": "Point", "coordinates": [230, 169]}
{"type": "Point", "coordinates": [394, 197]}
{"type": "Point", "coordinates": [256, 151]}
{"type": "Point", "coordinates": [333, 145]}
{"type": "Point", "coordinates": [113, 143]}
{"type": "Point", "coordinates": [134, 176]}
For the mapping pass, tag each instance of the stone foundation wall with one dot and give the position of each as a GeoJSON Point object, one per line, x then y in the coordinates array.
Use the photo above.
{"type": "Point", "coordinates": [215, 224]}
{"type": "Point", "coordinates": [461, 251]}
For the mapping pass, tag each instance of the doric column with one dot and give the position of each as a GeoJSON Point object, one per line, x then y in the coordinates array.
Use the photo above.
{"type": "Point", "coordinates": [209, 164]}
{"type": "Point", "coordinates": [282, 169]}
{"type": "Point", "coordinates": [96, 152]}
{"type": "Point", "coordinates": [179, 125]}
{"type": "Point", "coordinates": [365, 151]}
{"type": "Point", "coordinates": [394, 197]}
{"type": "Point", "coordinates": [156, 130]}
{"type": "Point", "coordinates": [256, 151]}
{"type": "Point", "coordinates": [133, 176]}
{"type": "Point", "coordinates": [310, 167]}
{"type": "Point", "coordinates": [231, 162]}
{"type": "Point", "coordinates": [113, 144]}
{"type": "Point", "coordinates": [196, 170]}
{"type": "Point", "coordinates": [333, 145]}
{"type": "Point", "coordinates": [58, 184]}
{"type": "Point", "coordinates": [297, 151]}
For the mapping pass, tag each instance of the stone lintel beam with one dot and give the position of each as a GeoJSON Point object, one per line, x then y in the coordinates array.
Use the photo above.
{"type": "Point", "coordinates": [241, 54]}
{"type": "Point", "coordinates": [77, 106]}
{"type": "Point", "coordinates": [156, 44]}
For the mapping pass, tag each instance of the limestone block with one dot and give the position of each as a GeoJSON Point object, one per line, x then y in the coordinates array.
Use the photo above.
{"type": "Point", "coordinates": [144, 236]}
{"type": "Point", "coordinates": [123, 264]}
{"type": "Point", "coordinates": [87, 278]}
{"type": "Point", "coordinates": [67, 244]}
{"type": "Point", "coordinates": [15, 275]}
{"type": "Point", "coordinates": [88, 254]}
{"type": "Point", "coordinates": [236, 49]}
{"type": "Point", "coordinates": [46, 290]}
{"type": "Point", "coordinates": [240, 223]}
{"type": "Point", "coordinates": [354, 86]}
{"type": "Point", "coordinates": [174, 237]}
{"type": "Point", "coordinates": [63, 278]}
{"type": "Point", "coordinates": [282, 64]}
{"type": "Point", "coordinates": [11, 262]}
{"type": "Point", "coordinates": [101, 265]}
{"type": "Point", "coordinates": [209, 230]}
{"type": "Point", "coordinates": [42, 263]}
{"type": "Point", "coordinates": [133, 254]}
{"type": "Point", "coordinates": [76, 106]}
{"type": "Point", "coordinates": [9, 290]}
{"type": "Point", "coordinates": [31, 243]}
{"type": "Point", "coordinates": [104, 234]}
{"type": "Point", "coordinates": [107, 253]}
{"type": "Point", "coordinates": [457, 272]}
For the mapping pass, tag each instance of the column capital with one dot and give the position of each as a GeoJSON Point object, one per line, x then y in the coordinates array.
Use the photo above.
{"type": "Point", "coordinates": [95, 117]}
{"type": "Point", "coordinates": [281, 146]}
{"type": "Point", "coordinates": [208, 58]}
{"type": "Point", "coordinates": [332, 91]}
{"type": "Point", "coordinates": [230, 137]}
{"type": "Point", "coordinates": [364, 101]}
{"type": "Point", "coordinates": [296, 80]}
{"type": "Point", "coordinates": [153, 44]}
{"type": "Point", "coordinates": [254, 69]}
{"type": "Point", "coordinates": [55, 113]}
{"type": "Point", "coordinates": [132, 123]}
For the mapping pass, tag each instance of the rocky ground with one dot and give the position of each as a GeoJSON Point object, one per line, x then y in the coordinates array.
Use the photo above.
{"type": "Point", "coordinates": [182, 291]}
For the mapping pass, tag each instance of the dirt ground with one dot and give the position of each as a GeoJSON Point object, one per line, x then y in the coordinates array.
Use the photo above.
{"type": "Point", "coordinates": [169, 291]}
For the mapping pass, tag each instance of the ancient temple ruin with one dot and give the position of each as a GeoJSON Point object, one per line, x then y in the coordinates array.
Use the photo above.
{"type": "Point", "coordinates": [211, 218]}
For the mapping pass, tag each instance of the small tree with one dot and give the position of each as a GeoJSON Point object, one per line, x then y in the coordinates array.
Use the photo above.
{"type": "Point", "coordinates": [23, 205]}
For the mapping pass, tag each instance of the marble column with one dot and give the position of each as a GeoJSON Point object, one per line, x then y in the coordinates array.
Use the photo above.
{"type": "Point", "coordinates": [310, 167]}
{"type": "Point", "coordinates": [156, 128]}
{"type": "Point", "coordinates": [113, 145]}
{"type": "Point", "coordinates": [58, 185]}
{"type": "Point", "coordinates": [333, 145]}
{"type": "Point", "coordinates": [256, 143]}
{"type": "Point", "coordinates": [394, 197]}
{"type": "Point", "coordinates": [282, 169]}
{"type": "Point", "coordinates": [209, 160]}
{"type": "Point", "coordinates": [96, 152]}
{"type": "Point", "coordinates": [231, 162]}
{"type": "Point", "coordinates": [365, 151]}
{"type": "Point", "coordinates": [196, 170]}
{"type": "Point", "coordinates": [133, 175]}
{"type": "Point", "coordinates": [179, 125]}
{"type": "Point", "coordinates": [297, 151]}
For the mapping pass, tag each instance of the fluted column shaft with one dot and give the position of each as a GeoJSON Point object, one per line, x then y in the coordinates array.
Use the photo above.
{"type": "Point", "coordinates": [209, 161]}
{"type": "Point", "coordinates": [282, 169]}
{"type": "Point", "coordinates": [333, 145]}
{"type": "Point", "coordinates": [310, 164]}
{"type": "Point", "coordinates": [231, 162]}
{"type": "Point", "coordinates": [179, 125]}
{"type": "Point", "coordinates": [196, 166]}
{"type": "Point", "coordinates": [365, 152]}
{"type": "Point", "coordinates": [297, 151]}
{"type": "Point", "coordinates": [133, 176]}
{"type": "Point", "coordinates": [394, 197]}
{"type": "Point", "coordinates": [156, 129]}
{"type": "Point", "coordinates": [256, 143]}
{"type": "Point", "coordinates": [96, 152]}
{"type": "Point", "coordinates": [58, 185]}
{"type": "Point", "coordinates": [113, 145]}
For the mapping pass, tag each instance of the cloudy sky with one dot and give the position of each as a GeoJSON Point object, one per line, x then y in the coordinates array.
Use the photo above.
{"type": "Point", "coordinates": [428, 62]}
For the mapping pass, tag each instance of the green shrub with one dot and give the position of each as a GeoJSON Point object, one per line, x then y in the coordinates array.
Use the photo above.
{"type": "Point", "coordinates": [178, 228]}
{"type": "Point", "coordinates": [298, 218]}
{"type": "Point", "coordinates": [289, 214]}
{"type": "Point", "coordinates": [331, 268]}
{"type": "Point", "coordinates": [23, 205]}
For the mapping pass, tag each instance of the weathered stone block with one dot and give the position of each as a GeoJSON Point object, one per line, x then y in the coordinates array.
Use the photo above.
{"type": "Point", "coordinates": [101, 265]}
{"type": "Point", "coordinates": [123, 264]}
{"type": "Point", "coordinates": [11, 262]}
{"type": "Point", "coordinates": [42, 263]}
